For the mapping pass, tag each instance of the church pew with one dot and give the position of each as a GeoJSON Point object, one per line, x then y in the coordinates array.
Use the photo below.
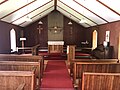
{"type": "Point", "coordinates": [35, 49]}
{"type": "Point", "coordinates": [21, 86]}
{"type": "Point", "coordinates": [12, 57]}
{"type": "Point", "coordinates": [97, 65]}
{"type": "Point", "coordinates": [21, 66]}
{"type": "Point", "coordinates": [12, 80]}
{"type": "Point", "coordinates": [100, 81]}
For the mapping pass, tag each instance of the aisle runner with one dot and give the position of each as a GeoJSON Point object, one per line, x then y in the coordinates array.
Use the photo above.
{"type": "Point", "coordinates": [56, 77]}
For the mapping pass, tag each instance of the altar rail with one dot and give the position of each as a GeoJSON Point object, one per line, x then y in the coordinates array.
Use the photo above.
{"type": "Point", "coordinates": [100, 81]}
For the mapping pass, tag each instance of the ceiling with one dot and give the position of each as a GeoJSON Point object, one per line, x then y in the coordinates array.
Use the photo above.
{"type": "Point", "coordinates": [92, 12]}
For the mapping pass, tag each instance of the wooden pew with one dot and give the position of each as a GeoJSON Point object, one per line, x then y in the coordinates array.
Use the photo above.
{"type": "Point", "coordinates": [22, 66]}
{"type": "Point", "coordinates": [101, 81]}
{"type": "Point", "coordinates": [12, 57]}
{"type": "Point", "coordinates": [25, 59]}
{"type": "Point", "coordinates": [21, 86]}
{"type": "Point", "coordinates": [93, 65]}
{"type": "Point", "coordinates": [35, 49]}
{"type": "Point", "coordinates": [15, 80]}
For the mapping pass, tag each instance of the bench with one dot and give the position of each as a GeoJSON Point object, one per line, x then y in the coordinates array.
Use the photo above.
{"type": "Point", "coordinates": [100, 81]}
{"type": "Point", "coordinates": [16, 80]}
{"type": "Point", "coordinates": [22, 66]}
{"type": "Point", "coordinates": [93, 65]}
{"type": "Point", "coordinates": [25, 60]}
{"type": "Point", "coordinates": [12, 57]}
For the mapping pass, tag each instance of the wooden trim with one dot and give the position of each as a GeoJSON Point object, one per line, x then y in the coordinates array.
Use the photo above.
{"type": "Point", "coordinates": [91, 11]}
{"type": "Point", "coordinates": [55, 4]}
{"type": "Point", "coordinates": [17, 9]}
{"type": "Point", "coordinates": [73, 15]}
{"type": "Point", "coordinates": [3, 2]}
{"type": "Point", "coordinates": [119, 46]}
{"type": "Point", "coordinates": [78, 12]}
{"type": "Point", "coordinates": [37, 15]}
{"type": "Point", "coordinates": [90, 73]}
{"type": "Point", "coordinates": [108, 7]}
{"type": "Point", "coordinates": [31, 11]}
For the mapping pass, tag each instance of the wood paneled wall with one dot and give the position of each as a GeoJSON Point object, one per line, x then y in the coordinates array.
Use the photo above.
{"type": "Point", "coordinates": [74, 36]}
{"type": "Point", "coordinates": [5, 28]}
{"type": "Point", "coordinates": [114, 29]}
{"type": "Point", "coordinates": [33, 36]}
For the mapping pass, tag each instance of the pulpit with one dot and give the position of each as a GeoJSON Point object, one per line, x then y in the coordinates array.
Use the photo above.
{"type": "Point", "coordinates": [55, 46]}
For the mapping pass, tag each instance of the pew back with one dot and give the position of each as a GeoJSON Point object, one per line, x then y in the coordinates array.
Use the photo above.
{"type": "Point", "coordinates": [99, 66]}
{"type": "Point", "coordinates": [22, 66]}
{"type": "Point", "coordinates": [101, 81]}
{"type": "Point", "coordinates": [10, 80]}
{"type": "Point", "coordinates": [11, 57]}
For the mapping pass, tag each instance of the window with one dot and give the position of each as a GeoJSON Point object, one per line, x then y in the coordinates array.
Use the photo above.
{"type": "Point", "coordinates": [13, 40]}
{"type": "Point", "coordinates": [94, 39]}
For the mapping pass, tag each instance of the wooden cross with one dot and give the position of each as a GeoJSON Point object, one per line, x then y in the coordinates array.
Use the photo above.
{"type": "Point", "coordinates": [40, 29]}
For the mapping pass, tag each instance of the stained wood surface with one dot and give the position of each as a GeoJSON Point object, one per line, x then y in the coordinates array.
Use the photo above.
{"type": "Point", "coordinates": [23, 63]}
{"type": "Point", "coordinates": [10, 80]}
{"type": "Point", "coordinates": [99, 66]}
{"type": "Point", "coordinates": [100, 81]}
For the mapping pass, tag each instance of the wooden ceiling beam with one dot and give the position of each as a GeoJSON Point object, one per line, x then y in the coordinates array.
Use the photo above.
{"type": "Point", "coordinates": [91, 11]}
{"type": "Point", "coordinates": [55, 4]}
{"type": "Point", "coordinates": [37, 14]}
{"type": "Point", "coordinates": [108, 7]}
{"type": "Point", "coordinates": [31, 11]}
{"type": "Point", "coordinates": [3, 2]}
{"type": "Point", "coordinates": [17, 9]}
{"type": "Point", "coordinates": [78, 12]}
{"type": "Point", "coordinates": [73, 15]}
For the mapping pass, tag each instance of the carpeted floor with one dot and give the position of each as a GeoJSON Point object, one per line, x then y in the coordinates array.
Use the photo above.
{"type": "Point", "coordinates": [56, 76]}
{"type": "Point", "coordinates": [54, 56]}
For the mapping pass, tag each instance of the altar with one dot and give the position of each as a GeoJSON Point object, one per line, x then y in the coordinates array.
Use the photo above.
{"type": "Point", "coordinates": [55, 46]}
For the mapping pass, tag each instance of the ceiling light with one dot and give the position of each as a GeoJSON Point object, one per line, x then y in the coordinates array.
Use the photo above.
{"type": "Point", "coordinates": [82, 21]}
{"type": "Point", "coordinates": [70, 23]}
{"type": "Point", "coordinates": [40, 22]}
{"type": "Point", "coordinates": [28, 19]}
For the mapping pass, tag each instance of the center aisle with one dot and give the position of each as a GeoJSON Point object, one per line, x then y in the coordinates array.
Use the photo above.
{"type": "Point", "coordinates": [56, 77]}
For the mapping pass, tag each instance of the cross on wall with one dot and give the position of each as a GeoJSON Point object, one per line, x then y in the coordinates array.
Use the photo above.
{"type": "Point", "coordinates": [40, 29]}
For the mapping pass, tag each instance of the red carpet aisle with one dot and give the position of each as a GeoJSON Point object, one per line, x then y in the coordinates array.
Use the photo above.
{"type": "Point", "coordinates": [56, 77]}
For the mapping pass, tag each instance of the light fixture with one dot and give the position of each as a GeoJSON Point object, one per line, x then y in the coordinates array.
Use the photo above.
{"type": "Point", "coordinates": [82, 21]}
{"type": "Point", "coordinates": [55, 29]}
{"type": "Point", "coordinates": [28, 19]}
{"type": "Point", "coordinates": [70, 23]}
{"type": "Point", "coordinates": [39, 27]}
{"type": "Point", "coordinates": [40, 22]}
